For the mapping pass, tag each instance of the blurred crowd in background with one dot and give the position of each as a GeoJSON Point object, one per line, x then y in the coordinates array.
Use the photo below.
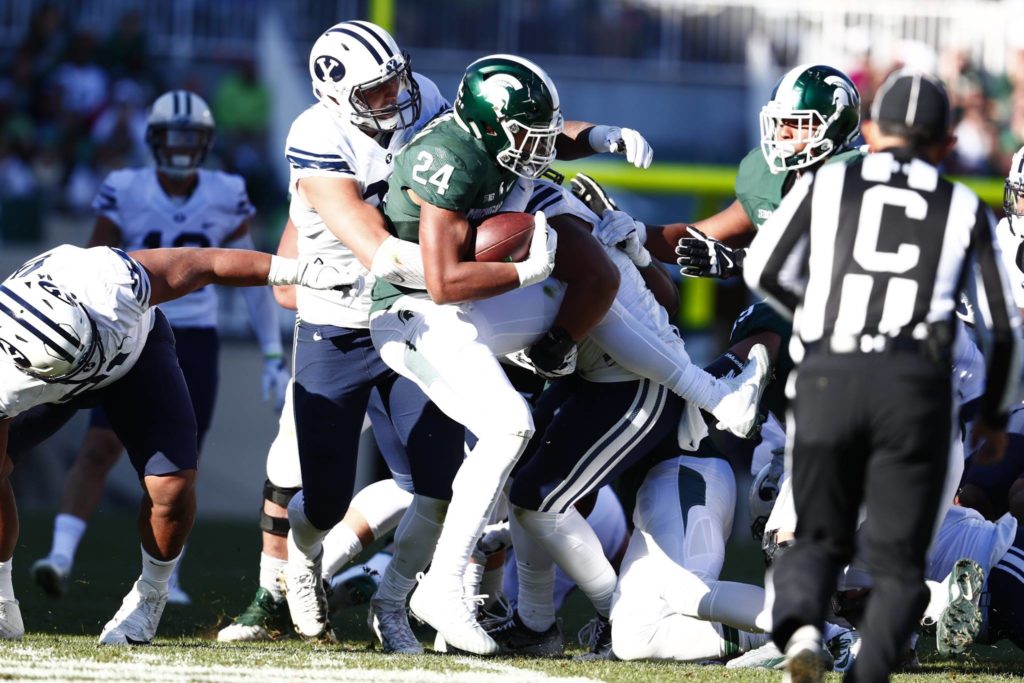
{"type": "Point", "coordinates": [73, 102]}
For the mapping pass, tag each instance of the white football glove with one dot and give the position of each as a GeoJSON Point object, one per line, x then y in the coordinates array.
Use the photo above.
{"type": "Point", "coordinates": [541, 260]}
{"type": "Point", "coordinates": [618, 229]}
{"type": "Point", "coordinates": [310, 273]}
{"type": "Point", "coordinates": [275, 381]}
{"type": "Point", "coordinates": [625, 141]}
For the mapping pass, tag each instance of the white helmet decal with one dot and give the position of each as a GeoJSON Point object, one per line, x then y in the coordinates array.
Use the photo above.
{"type": "Point", "coordinates": [495, 90]}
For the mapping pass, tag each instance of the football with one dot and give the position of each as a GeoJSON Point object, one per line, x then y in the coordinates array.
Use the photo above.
{"type": "Point", "coordinates": [504, 237]}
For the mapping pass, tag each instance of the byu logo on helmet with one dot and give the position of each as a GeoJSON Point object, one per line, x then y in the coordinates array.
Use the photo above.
{"type": "Point", "coordinates": [327, 67]}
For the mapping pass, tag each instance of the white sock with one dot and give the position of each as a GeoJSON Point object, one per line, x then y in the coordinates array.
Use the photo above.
{"type": "Point", "coordinates": [472, 579]}
{"type": "Point", "coordinates": [157, 572]}
{"type": "Point", "coordinates": [733, 604]}
{"type": "Point", "coordinates": [475, 490]}
{"type": "Point", "coordinates": [270, 568]}
{"type": "Point", "coordinates": [6, 585]}
{"type": "Point", "coordinates": [415, 541]}
{"type": "Point", "coordinates": [576, 549]}
{"type": "Point", "coordinates": [490, 584]}
{"type": "Point", "coordinates": [340, 545]}
{"type": "Point", "coordinates": [536, 572]}
{"type": "Point", "coordinates": [305, 541]}
{"type": "Point", "coordinates": [175, 579]}
{"type": "Point", "coordinates": [67, 534]}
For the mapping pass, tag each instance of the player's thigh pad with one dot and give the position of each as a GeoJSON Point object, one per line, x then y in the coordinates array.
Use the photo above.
{"type": "Point", "coordinates": [685, 508]}
{"type": "Point", "coordinates": [440, 349]}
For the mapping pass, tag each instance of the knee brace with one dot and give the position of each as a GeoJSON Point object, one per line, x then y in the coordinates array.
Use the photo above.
{"type": "Point", "coordinates": [276, 526]}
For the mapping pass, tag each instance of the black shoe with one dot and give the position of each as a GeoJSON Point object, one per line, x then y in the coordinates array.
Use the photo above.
{"type": "Point", "coordinates": [515, 638]}
{"type": "Point", "coordinates": [597, 635]}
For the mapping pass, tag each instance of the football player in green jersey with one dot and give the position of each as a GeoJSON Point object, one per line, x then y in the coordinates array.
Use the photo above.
{"type": "Point", "coordinates": [812, 118]}
{"type": "Point", "coordinates": [504, 131]}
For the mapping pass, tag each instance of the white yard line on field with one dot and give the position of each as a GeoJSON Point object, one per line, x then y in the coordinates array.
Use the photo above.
{"type": "Point", "coordinates": [30, 664]}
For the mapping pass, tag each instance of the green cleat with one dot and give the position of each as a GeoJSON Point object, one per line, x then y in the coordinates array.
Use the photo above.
{"type": "Point", "coordinates": [264, 619]}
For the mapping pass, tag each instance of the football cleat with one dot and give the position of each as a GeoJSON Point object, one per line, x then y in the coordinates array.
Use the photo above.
{"type": "Point", "coordinates": [597, 636]}
{"type": "Point", "coordinates": [390, 623]}
{"type": "Point", "coordinates": [264, 619]}
{"type": "Point", "coordinates": [960, 621]}
{"type": "Point", "coordinates": [52, 574]}
{"type": "Point", "coordinates": [136, 622]}
{"type": "Point", "coordinates": [768, 656]}
{"type": "Point", "coordinates": [737, 412]}
{"type": "Point", "coordinates": [515, 638]}
{"type": "Point", "coordinates": [447, 610]}
{"type": "Point", "coordinates": [805, 660]}
{"type": "Point", "coordinates": [11, 625]}
{"type": "Point", "coordinates": [307, 598]}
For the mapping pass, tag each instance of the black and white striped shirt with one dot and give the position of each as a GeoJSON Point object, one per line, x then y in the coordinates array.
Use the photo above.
{"type": "Point", "coordinates": [882, 248]}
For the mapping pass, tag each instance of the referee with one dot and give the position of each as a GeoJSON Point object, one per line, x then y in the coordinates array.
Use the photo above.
{"type": "Point", "coordinates": [870, 259]}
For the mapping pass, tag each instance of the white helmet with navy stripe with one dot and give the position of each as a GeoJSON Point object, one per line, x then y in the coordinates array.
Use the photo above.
{"type": "Point", "coordinates": [360, 74]}
{"type": "Point", "coordinates": [1013, 191]}
{"type": "Point", "coordinates": [44, 328]}
{"type": "Point", "coordinates": [179, 132]}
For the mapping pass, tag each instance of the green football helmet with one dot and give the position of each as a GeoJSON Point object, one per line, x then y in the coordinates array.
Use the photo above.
{"type": "Point", "coordinates": [511, 105]}
{"type": "Point", "coordinates": [822, 104]}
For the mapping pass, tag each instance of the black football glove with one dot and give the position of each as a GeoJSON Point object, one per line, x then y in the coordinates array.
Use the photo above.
{"type": "Point", "coordinates": [554, 354]}
{"type": "Point", "coordinates": [703, 256]}
{"type": "Point", "coordinates": [586, 189]}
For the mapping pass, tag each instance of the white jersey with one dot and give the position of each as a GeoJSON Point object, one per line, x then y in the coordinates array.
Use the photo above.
{"type": "Point", "coordinates": [968, 366]}
{"type": "Point", "coordinates": [592, 363]}
{"type": "Point", "coordinates": [965, 533]}
{"type": "Point", "coordinates": [148, 218]}
{"type": "Point", "coordinates": [322, 144]}
{"type": "Point", "coordinates": [114, 289]}
{"type": "Point", "coordinates": [1010, 234]}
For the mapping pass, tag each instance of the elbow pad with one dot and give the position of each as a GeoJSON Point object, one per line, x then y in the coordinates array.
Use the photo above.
{"type": "Point", "coordinates": [400, 263]}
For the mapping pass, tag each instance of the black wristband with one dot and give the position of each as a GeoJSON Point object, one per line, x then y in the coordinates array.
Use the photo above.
{"type": "Point", "coordinates": [549, 352]}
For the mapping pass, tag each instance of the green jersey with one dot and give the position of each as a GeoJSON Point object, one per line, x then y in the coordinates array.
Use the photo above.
{"type": "Point", "coordinates": [759, 191]}
{"type": "Point", "coordinates": [449, 168]}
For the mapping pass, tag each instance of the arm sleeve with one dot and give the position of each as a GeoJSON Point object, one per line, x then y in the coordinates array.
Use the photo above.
{"type": "Point", "coordinates": [775, 264]}
{"type": "Point", "coordinates": [262, 307]}
{"type": "Point", "coordinates": [996, 319]}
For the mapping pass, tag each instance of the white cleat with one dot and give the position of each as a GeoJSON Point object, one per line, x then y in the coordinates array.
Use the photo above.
{"type": "Point", "coordinates": [737, 411]}
{"type": "Point", "coordinates": [446, 610]}
{"type": "Point", "coordinates": [390, 623]}
{"type": "Point", "coordinates": [137, 620]}
{"type": "Point", "coordinates": [307, 598]}
{"type": "Point", "coordinates": [11, 625]}
{"type": "Point", "coordinates": [960, 621]}
{"type": "Point", "coordinates": [52, 574]}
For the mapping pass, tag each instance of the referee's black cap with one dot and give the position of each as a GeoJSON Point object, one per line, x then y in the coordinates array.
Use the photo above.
{"type": "Point", "coordinates": [914, 105]}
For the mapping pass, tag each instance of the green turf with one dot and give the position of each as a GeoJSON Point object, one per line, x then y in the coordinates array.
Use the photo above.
{"type": "Point", "coordinates": [220, 573]}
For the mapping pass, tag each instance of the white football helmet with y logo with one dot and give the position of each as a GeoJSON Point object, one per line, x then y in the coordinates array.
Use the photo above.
{"type": "Point", "coordinates": [179, 132]}
{"type": "Point", "coordinates": [361, 75]}
{"type": "Point", "coordinates": [1013, 190]}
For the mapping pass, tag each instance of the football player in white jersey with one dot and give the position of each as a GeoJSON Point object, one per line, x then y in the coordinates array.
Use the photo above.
{"type": "Point", "coordinates": [79, 328]}
{"type": "Point", "coordinates": [174, 204]}
{"type": "Point", "coordinates": [340, 151]}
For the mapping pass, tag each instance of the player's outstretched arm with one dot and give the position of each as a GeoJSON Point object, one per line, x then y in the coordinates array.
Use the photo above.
{"type": "Point", "coordinates": [173, 273]}
{"type": "Point", "coordinates": [581, 139]}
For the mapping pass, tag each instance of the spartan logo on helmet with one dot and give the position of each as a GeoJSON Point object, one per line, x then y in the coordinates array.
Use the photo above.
{"type": "Point", "coordinates": [327, 67]}
{"type": "Point", "coordinates": [496, 90]}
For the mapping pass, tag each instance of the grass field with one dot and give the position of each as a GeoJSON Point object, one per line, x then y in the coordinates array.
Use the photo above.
{"type": "Point", "coordinates": [220, 573]}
